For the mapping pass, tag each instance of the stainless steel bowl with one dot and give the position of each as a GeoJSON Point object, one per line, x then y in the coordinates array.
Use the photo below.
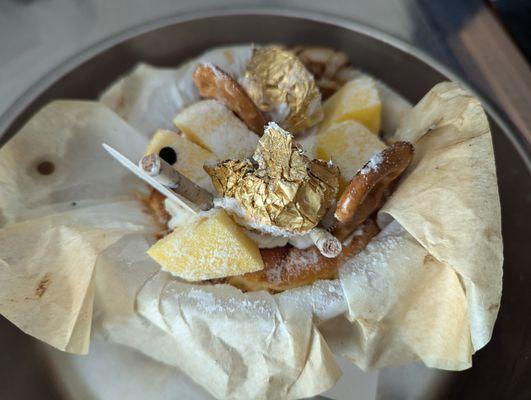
{"type": "Point", "coordinates": [170, 41]}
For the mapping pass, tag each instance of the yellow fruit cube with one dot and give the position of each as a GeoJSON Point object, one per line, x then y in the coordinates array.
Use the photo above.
{"type": "Point", "coordinates": [357, 100]}
{"type": "Point", "coordinates": [213, 247]}
{"type": "Point", "coordinates": [162, 138]}
{"type": "Point", "coordinates": [349, 145]}
{"type": "Point", "coordinates": [213, 126]}
{"type": "Point", "coordinates": [187, 157]}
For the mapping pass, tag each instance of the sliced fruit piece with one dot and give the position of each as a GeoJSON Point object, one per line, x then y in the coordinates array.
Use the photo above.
{"type": "Point", "coordinates": [160, 139]}
{"type": "Point", "coordinates": [349, 145]}
{"type": "Point", "coordinates": [214, 127]}
{"type": "Point", "coordinates": [185, 156]}
{"type": "Point", "coordinates": [357, 100]}
{"type": "Point", "coordinates": [213, 247]}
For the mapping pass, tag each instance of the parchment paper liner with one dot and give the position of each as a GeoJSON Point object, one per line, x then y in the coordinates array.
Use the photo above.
{"type": "Point", "coordinates": [427, 288]}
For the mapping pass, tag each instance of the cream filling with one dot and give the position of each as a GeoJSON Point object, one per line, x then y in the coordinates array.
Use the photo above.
{"type": "Point", "coordinates": [265, 241]}
{"type": "Point", "coordinates": [179, 215]}
{"type": "Point", "coordinates": [265, 237]}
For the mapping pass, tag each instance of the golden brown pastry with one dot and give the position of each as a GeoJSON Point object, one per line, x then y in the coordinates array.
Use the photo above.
{"type": "Point", "coordinates": [370, 187]}
{"type": "Point", "coordinates": [288, 267]}
{"type": "Point", "coordinates": [154, 204]}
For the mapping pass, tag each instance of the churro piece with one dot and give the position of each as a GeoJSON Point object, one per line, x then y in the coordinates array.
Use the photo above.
{"type": "Point", "coordinates": [370, 186]}
{"type": "Point", "coordinates": [213, 82]}
{"type": "Point", "coordinates": [288, 267]}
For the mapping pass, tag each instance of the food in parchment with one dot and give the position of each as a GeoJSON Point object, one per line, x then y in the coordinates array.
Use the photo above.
{"type": "Point", "coordinates": [300, 211]}
{"type": "Point", "coordinates": [419, 279]}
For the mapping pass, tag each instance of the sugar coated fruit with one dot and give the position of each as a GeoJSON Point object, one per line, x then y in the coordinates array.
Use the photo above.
{"type": "Point", "coordinates": [211, 125]}
{"type": "Point", "coordinates": [185, 156]}
{"type": "Point", "coordinates": [349, 145]}
{"type": "Point", "coordinates": [214, 246]}
{"type": "Point", "coordinates": [357, 100]}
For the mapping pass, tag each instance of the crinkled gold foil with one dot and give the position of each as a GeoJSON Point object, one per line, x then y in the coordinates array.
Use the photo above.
{"type": "Point", "coordinates": [280, 187]}
{"type": "Point", "coordinates": [280, 85]}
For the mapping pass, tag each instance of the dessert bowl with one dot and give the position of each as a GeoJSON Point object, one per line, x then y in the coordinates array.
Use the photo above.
{"type": "Point", "coordinates": [141, 43]}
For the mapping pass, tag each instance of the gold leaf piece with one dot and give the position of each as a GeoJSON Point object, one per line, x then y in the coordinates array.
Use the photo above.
{"type": "Point", "coordinates": [280, 188]}
{"type": "Point", "coordinates": [279, 83]}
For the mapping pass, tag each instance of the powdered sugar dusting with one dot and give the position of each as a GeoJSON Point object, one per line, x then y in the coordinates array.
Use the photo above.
{"type": "Point", "coordinates": [325, 294]}
{"type": "Point", "coordinates": [208, 302]}
{"type": "Point", "coordinates": [213, 126]}
{"type": "Point", "coordinates": [325, 297]}
{"type": "Point", "coordinates": [214, 69]}
{"type": "Point", "coordinates": [293, 265]}
{"type": "Point", "coordinates": [374, 257]}
{"type": "Point", "coordinates": [209, 248]}
{"type": "Point", "coordinates": [373, 164]}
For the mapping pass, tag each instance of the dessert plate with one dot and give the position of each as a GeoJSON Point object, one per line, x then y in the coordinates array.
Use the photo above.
{"type": "Point", "coordinates": [110, 369]}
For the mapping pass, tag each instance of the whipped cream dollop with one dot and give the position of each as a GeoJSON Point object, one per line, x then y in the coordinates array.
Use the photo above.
{"type": "Point", "coordinates": [265, 236]}
{"type": "Point", "coordinates": [179, 215]}
{"type": "Point", "coordinates": [265, 241]}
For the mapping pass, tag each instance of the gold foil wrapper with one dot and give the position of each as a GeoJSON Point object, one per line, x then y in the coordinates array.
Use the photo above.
{"type": "Point", "coordinates": [280, 188]}
{"type": "Point", "coordinates": [280, 85]}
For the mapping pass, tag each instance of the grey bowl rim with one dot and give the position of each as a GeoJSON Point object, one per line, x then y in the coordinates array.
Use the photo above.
{"type": "Point", "coordinates": [54, 75]}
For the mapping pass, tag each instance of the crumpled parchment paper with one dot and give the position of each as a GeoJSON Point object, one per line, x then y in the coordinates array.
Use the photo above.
{"type": "Point", "coordinates": [426, 288]}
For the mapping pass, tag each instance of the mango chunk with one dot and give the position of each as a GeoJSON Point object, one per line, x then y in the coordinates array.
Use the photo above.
{"type": "Point", "coordinates": [357, 100]}
{"type": "Point", "coordinates": [214, 127]}
{"type": "Point", "coordinates": [189, 157]}
{"type": "Point", "coordinates": [349, 145]}
{"type": "Point", "coordinates": [213, 247]}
